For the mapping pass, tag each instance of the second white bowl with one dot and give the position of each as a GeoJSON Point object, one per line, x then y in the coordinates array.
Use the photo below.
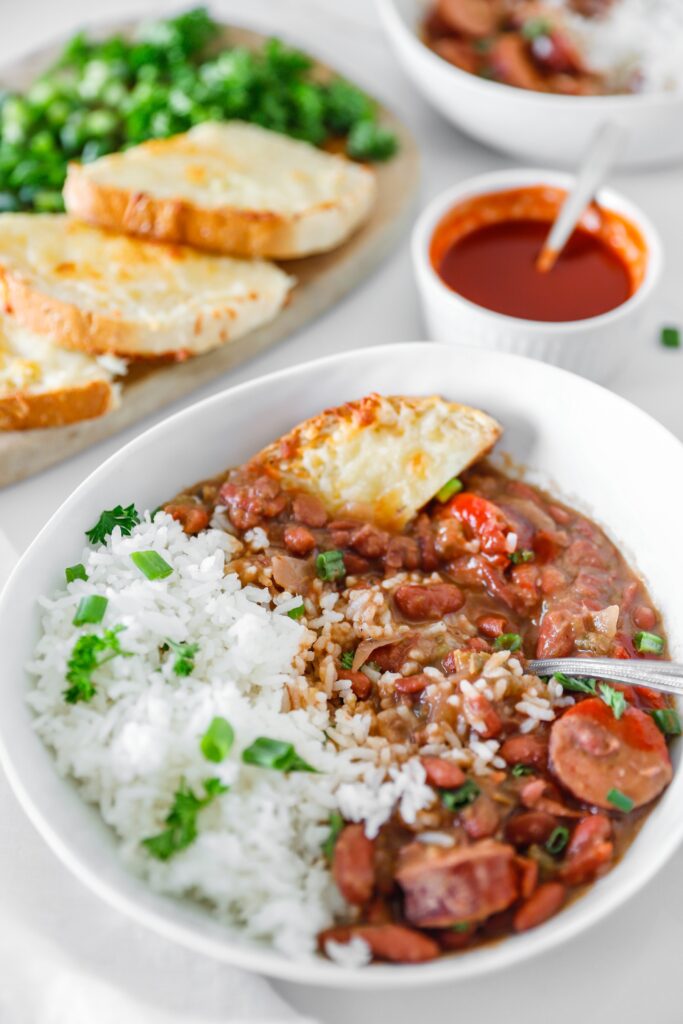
{"type": "Point", "coordinates": [594, 347]}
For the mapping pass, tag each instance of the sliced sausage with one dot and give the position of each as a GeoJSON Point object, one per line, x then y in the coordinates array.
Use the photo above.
{"type": "Point", "coordinates": [589, 849]}
{"type": "Point", "coordinates": [192, 518]}
{"type": "Point", "coordinates": [542, 904]}
{"type": "Point", "coordinates": [369, 542]}
{"type": "Point", "coordinates": [393, 942]}
{"type": "Point", "coordinates": [309, 510]}
{"type": "Point", "coordinates": [512, 64]}
{"type": "Point", "coordinates": [298, 539]}
{"type": "Point", "coordinates": [353, 865]}
{"type": "Point", "coordinates": [441, 773]}
{"type": "Point", "coordinates": [445, 886]}
{"type": "Point", "coordinates": [428, 602]}
{"type": "Point", "coordinates": [525, 748]}
{"type": "Point", "coordinates": [592, 752]}
{"type": "Point", "coordinates": [528, 875]}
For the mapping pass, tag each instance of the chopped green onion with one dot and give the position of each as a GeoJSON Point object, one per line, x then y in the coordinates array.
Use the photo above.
{"type": "Point", "coordinates": [346, 660]}
{"type": "Point", "coordinates": [185, 653]}
{"type": "Point", "coordinates": [557, 840]}
{"type": "Point", "coordinates": [182, 820]}
{"type": "Point", "coordinates": [455, 799]}
{"type": "Point", "coordinates": [668, 720]}
{"type": "Point", "coordinates": [517, 557]}
{"type": "Point", "coordinates": [535, 27]}
{"type": "Point", "coordinates": [124, 518]}
{"type": "Point", "coordinates": [217, 741]}
{"type": "Point", "coordinates": [648, 643]}
{"type": "Point", "coordinates": [336, 825]}
{"type": "Point", "coordinates": [453, 486]}
{"type": "Point", "coordinates": [275, 754]}
{"type": "Point", "coordinates": [330, 564]}
{"type": "Point", "coordinates": [572, 683]}
{"type": "Point", "coordinates": [461, 926]}
{"type": "Point", "coordinates": [151, 564]}
{"type": "Point", "coordinates": [518, 770]}
{"type": "Point", "coordinates": [75, 572]}
{"type": "Point", "coordinates": [90, 609]}
{"type": "Point", "coordinates": [507, 642]}
{"type": "Point", "coordinates": [614, 699]}
{"type": "Point", "coordinates": [620, 800]}
{"type": "Point", "coordinates": [670, 337]}
{"type": "Point", "coordinates": [297, 612]}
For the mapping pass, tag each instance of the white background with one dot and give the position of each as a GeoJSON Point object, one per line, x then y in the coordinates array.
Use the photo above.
{"type": "Point", "coordinates": [626, 969]}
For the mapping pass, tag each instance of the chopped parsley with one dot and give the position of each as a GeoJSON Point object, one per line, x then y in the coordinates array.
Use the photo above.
{"type": "Point", "coordinates": [336, 823]}
{"type": "Point", "coordinates": [577, 685]}
{"type": "Point", "coordinates": [182, 820]}
{"type": "Point", "coordinates": [275, 754]}
{"type": "Point", "coordinates": [518, 557]}
{"type": "Point", "coordinates": [217, 741]}
{"type": "Point", "coordinates": [507, 642]}
{"type": "Point", "coordinates": [124, 518]}
{"type": "Point", "coordinates": [185, 654]}
{"type": "Point", "coordinates": [89, 653]}
{"type": "Point", "coordinates": [612, 697]}
{"type": "Point", "coordinates": [620, 800]}
{"type": "Point", "coordinates": [461, 926]}
{"type": "Point", "coordinates": [75, 572]}
{"type": "Point", "coordinates": [518, 770]}
{"type": "Point", "coordinates": [346, 660]}
{"type": "Point", "coordinates": [297, 612]}
{"type": "Point", "coordinates": [535, 27]}
{"type": "Point", "coordinates": [456, 799]}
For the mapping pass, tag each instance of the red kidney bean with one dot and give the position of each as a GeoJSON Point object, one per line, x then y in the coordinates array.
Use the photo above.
{"type": "Point", "coordinates": [429, 602]}
{"type": "Point", "coordinates": [529, 827]}
{"type": "Point", "coordinates": [192, 518]}
{"type": "Point", "coordinates": [298, 539]}
{"type": "Point", "coordinates": [441, 773]}
{"type": "Point", "coordinates": [644, 617]}
{"type": "Point", "coordinates": [360, 684]}
{"type": "Point", "coordinates": [526, 749]}
{"type": "Point", "coordinates": [353, 864]}
{"type": "Point", "coordinates": [309, 510]}
{"type": "Point", "coordinates": [493, 625]}
{"type": "Point", "coordinates": [542, 904]}
{"type": "Point", "coordinates": [369, 542]}
{"type": "Point", "coordinates": [412, 684]}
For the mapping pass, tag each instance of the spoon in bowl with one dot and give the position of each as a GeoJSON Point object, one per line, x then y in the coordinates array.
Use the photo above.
{"type": "Point", "coordinates": [598, 160]}
{"type": "Point", "coordinates": [665, 676]}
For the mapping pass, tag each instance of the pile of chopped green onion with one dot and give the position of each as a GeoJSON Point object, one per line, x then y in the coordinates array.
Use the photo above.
{"type": "Point", "coordinates": [101, 97]}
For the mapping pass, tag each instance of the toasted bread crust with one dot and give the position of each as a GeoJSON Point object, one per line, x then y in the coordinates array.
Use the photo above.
{"type": "Point", "coordinates": [230, 230]}
{"type": "Point", "coordinates": [23, 411]}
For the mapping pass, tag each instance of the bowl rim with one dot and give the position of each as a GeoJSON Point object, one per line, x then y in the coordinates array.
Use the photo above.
{"type": "Point", "coordinates": [394, 21]}
{"type": "Point", "coordinates": [321, 973]}
{"type": "Point", "coordinates": [500, 181]}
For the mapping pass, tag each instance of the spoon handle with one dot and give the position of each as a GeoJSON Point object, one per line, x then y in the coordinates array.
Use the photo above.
{"type": "Point", "coordinates": [666, 676]}
{"type": "Point", "coordinates": [601, 153]}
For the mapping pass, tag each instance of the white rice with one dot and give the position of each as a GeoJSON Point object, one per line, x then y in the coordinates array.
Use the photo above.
{"type": "Point", "coordinates": [636, 41]}
{"type": "Point", "coordinates": [257, 859]}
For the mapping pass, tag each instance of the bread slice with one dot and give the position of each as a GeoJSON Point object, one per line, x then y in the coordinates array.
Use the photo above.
{"type": "Point", "coordinates": [227, 187]}
{"type": "Point", "coordinates": [42, 385]}
{"type": "Point", "coordinates": [383, 457]}
{"type": "Point", "coordinates": [92, 290]}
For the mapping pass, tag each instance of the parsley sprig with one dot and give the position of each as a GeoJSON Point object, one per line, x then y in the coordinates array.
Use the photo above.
{"type": "Point", "coordinates": [185, 655]}
{"type": "Point", "coordinates": [613, 698]}
{"type": "Point", "coordinates": [90, 652]}
{"type": "Point", "coordinates": [125, 518]}
{"type": "Point", "coordinates": [182, 820]}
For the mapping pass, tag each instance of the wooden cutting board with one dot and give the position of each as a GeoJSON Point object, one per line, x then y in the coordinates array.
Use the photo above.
{"type": "Point", "coordinates": [321, 282]}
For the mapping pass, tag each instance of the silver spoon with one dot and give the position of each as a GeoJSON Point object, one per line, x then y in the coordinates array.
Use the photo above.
{"type": "Point", "coordinates": [594, 168]}
{"type": "Point", "coordinates": [666, 676]}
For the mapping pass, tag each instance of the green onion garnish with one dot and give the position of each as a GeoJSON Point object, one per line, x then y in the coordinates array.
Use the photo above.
{"type": "Point", "coordinates": [346, 660]}
{"type": "Point", "coordinates": [648, 643]}
{"type": "Point", "coordinates": [461, 926]}
{"type": "Point", "coordinates": [124, 518]}
{"type": "Point", "coordinates": [185, 654]}
{"type": "Point", "coordinates": [557, 840]}
{"type": "Point", "coordinates": [182, 820]}
{"type": "Point", "coordinates": [507, 642]}
{"type": "Point", "coordinates": [275, 754]}
{"type": "Point", "coordinates": [297, 612]}
{"type": "Point", "coordinates": [455, 799]}
{"type": "Point", "coordinates": [517, 557]}
{"type": "Point", "coordinates": [668, 720]}
{"type": "Point", "coordinates": [90, 609]}
{"type": "Point", "coordinates": [620, 800]}
{"type": "Point", "coordinates": [336, 825]}
{"type": "Point", "coordinates": [75, 572]}
{"type": "Point", "coordinates": [151, 564]}
{"type": "Point", "coordinates": [614, 699]}
{"type": "Point", "coordinates": [330, 565]}
{"type": "Point", "coordinates": [453, 486]}
{"type": "Point", "coordinates": [522, 769]}
{"type": "Point", "coordinates": [670, 337]}
{"type": "Point", "coordinates": [217, 741]}
{"type": "Point", "coordinates": [572, 683]}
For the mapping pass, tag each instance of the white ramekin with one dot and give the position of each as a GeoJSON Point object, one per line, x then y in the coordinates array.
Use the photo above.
{"type": "Point", "coordinates": [594, 347]}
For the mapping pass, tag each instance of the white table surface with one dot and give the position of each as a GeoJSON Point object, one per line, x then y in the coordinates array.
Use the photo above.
{"type": "Point", "coordinates": [626, 968]}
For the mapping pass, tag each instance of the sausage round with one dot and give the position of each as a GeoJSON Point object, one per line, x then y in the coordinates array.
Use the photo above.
{"type": "Point", "coordinates": [592, 753]}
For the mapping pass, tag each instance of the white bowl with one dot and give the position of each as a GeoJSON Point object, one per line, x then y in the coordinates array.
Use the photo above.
{"type": "Point", "coordinates": [595, 347]}
{"type": "Point", "coordinates": [542, 127]}
{"type": "Point", "coordinates": [552, 419]}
